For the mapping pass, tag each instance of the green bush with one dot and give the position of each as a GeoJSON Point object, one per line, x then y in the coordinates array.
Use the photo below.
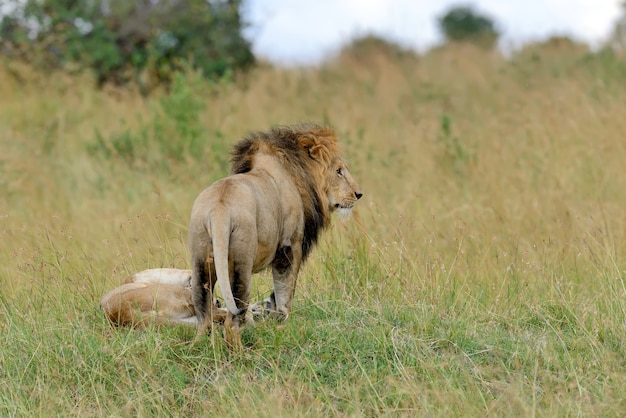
{"type": "Point", "coordinates": [179, 132]}
{"type": "Point", "coordinates": [463, 23]}
{"type": "Point", "coordinates": [140, 41]}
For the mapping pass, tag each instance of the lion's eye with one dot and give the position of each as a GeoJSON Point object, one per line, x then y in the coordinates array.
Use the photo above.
{"type": "Point", "coordinates": [339, 172]}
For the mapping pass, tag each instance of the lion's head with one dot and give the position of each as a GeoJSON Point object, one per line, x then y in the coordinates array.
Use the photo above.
{"type": "Point", "coordinates": [311, 155]}
{"type": "Point", "coordinates": [343, 191]}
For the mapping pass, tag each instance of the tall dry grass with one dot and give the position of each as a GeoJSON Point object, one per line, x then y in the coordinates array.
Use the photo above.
{"type": "Point", "coordinates": [482, 274]}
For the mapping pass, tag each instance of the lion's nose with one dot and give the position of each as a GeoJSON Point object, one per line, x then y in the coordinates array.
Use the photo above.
{"type": "Point", "coordinates": [358, 195]}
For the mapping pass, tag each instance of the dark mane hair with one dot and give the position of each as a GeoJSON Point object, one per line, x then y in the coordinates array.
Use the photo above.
{"type": "Point", "coordinates": [293, 146]}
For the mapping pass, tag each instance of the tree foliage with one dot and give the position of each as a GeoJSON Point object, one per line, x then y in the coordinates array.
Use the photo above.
{"type": "Point", "coordinates": [463, 23]}
{"type": "Point", "coordinates": [121, 40]}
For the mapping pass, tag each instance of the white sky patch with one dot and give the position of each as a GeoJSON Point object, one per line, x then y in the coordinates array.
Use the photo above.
{"type": "Point", "coordinates": [303, 31]}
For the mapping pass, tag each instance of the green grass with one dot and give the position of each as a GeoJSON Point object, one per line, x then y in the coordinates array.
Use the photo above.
{"type": "Point", "coordinates": [341, 352]}
{"type": "Point", "coordinates": [482, 274]}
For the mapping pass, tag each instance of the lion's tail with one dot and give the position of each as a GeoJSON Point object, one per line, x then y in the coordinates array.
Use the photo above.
{"type": "Point", "coordinates": [220, 233]}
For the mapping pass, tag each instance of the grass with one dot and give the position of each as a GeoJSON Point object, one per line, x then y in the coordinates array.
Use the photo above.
{"type": "Point", "coordinates": [482, 274]}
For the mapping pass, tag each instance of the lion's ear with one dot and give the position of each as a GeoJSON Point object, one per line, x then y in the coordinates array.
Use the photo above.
{"type": "Point", "coordinates": [318, 153]}
{"type": "Point", "coordinates": [313, 146]}
{"type": "Point", "coordinates": [306, 141]}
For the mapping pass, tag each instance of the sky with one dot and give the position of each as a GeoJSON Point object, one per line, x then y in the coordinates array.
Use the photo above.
{"type": "Point", "coordinates": [300, 32]}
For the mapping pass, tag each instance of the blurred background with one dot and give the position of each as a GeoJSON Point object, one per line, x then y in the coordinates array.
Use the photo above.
{"type": "Point", "coordinates": [144, 41]}
{"type": "Point", "coordinates": [305, 32]}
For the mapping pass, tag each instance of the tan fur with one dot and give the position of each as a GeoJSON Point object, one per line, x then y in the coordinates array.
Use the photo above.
{"type": "Point", "coordinates": [268, 212]}
{"type": "Point", "coordinates": [162, 275]}
{"type": "Point", "coordinates": [160, 295]}
{"type": "Point", "coordinates": [137, 304]}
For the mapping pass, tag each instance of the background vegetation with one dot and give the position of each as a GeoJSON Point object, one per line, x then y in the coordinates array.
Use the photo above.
{"type": "Point", "coordinates": [482, 274]}
{"type": "Point", "coordinates": [463, 23]}
{"type": "Point", "coordinates": [142, 42]}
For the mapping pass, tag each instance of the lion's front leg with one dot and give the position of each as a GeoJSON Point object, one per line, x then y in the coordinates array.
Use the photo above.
{"type": "Point", "coordinates": [285, 273]}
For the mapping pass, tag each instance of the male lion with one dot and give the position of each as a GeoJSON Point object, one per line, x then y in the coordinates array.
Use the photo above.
{"type": "Point", "coordinates": [268, 212]}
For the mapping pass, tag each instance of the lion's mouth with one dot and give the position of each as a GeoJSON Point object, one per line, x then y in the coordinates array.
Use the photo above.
{"type": "Point", "coordinates": [343, 210]}
{"type": "Point", "coordinates": [340, 206]}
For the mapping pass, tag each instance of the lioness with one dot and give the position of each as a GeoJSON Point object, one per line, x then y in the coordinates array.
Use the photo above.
{"type": "Point", "coordinates": [160, 295]}
{"type": "Point", "coordinates": [268, 212]}
{"type": "Point", "coordinates": [155, 295]}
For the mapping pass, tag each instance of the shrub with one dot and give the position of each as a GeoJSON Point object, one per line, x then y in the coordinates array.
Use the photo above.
{"type": "Point", "coordinates": [463, 23]}
{"type": "Point", "coordinates": [141, 41]}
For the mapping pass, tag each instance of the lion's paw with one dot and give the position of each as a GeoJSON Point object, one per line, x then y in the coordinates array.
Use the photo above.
{"type": "Point", "coordinates": [258, 309]}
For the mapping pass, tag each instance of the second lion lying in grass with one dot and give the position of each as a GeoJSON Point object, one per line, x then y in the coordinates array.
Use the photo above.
{"type": "Point", "coordinates": [160, 295]}
{"type": "Point", "coordinates": [154, 295]}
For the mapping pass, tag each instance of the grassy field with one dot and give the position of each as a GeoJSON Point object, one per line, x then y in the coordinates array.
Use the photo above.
{"type": "Point", "coordinates": [481, 274]}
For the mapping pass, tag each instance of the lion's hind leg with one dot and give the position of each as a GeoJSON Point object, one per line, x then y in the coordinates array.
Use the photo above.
{"type": "Point", "coordinates": [202, 285]}
{"type": "Point", "coordinates": [214, 314]}
{"type": "Point", "coordinates": [232, 332]}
